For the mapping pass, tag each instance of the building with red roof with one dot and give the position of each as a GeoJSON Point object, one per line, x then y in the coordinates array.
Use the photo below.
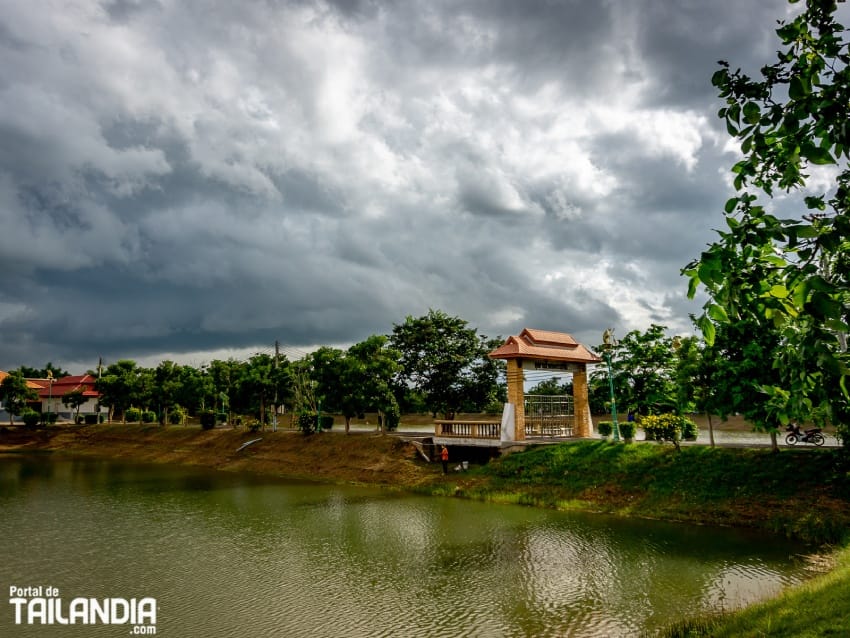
{"type": "Point", "coordinates": [51, 391]}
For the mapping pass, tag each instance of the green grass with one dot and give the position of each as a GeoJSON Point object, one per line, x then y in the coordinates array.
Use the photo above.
{"type": "Point", "coordinates": [803, 493]}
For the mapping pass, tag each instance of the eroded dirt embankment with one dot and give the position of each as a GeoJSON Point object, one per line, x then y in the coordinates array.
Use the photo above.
{"type": "Point", "coordinates": [333, 456]}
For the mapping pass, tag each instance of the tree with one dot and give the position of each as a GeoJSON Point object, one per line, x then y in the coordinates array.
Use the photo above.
{"type": "Point", "coordinates": [643, 365]}
{"type": "Point", "coordinates": [551, 386]}
{"type": "Point", "coordinates": [42, 373]}
{"type": "Point", "coordinates": [261, 380]}
{"type": "Point", "coordinates": [119, 386]}
{"type": "Point", "coordinates": [371, 367]}
{"type": "Point", "coordinates": [791, 274]}
{"type": "Point", "coordinates": [441, 358]}
{"type": "Point", "coordinates": [74, 400]}
{"type": "Point", "coordinates": [166, 388]}
{"type": "Point", "coordinates": [14, 393]}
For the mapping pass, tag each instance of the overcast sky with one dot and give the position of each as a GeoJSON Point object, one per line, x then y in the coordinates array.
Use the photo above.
{"type": "Point", "coordinates": [195, 179]}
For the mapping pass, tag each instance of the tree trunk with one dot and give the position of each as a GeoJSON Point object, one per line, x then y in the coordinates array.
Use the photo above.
{"type": "Point", "coordinates": [710, 429]}
{"type": "Point", "coordinates": [347, 423]}
{"type": "Point", "coordinates": [774, 445]}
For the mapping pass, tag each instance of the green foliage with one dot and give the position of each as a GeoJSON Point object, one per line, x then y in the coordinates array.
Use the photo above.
{"type": "Point", "coordinates": [605, 428]}
{"type": "Point", "coordinates": [91, 419]}
{"type": "Point", "coordinates": [627, 429]}
{"type": "Point", "coordinates": [551, 387]}
{"type": "Point", "coordinates": [14, 393]}
{"type": "Point", "coordinates": [31, 418]}
{"type": "Point", "coordinates": [43, 373]}
{"type": "Point", "coordinates": [48, 418]}
{"type": "Point", "coordinates": [120, 386]}
{"type": "Point", "coordinates": [176, 415]}
{"type": "Point", "coordinates": [307, 423]}
{"type": "Point", "coordinates": [447, 362]}
{"type": "Point", "coordinates": [789, 276]}
{"type": "Point", "coordinates": [643, 366]}
{"type": "Point", "coordinates": [74, 400]}
{"type": "Point", "coordinates": [132, 415]}
{"type": "Point", "coordinates": [668, 427]}
{"type": "Point", "coordinates": [148, 416]}
{"type": "Point", "coordinates": [392, 417]}
{"type": "Point", "coordinates": [326, 422]}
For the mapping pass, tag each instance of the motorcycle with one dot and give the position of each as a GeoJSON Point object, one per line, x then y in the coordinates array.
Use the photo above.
{"type": "Point", "coordinates": [812, 435]}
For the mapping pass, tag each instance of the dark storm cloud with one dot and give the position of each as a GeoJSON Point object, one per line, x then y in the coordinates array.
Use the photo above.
{"type": "Point", "coordinates": [200, 176]}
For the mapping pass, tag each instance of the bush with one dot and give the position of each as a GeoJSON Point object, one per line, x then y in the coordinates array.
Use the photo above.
{"type": "Point", "coordinates": [30, 418]}
{"type": "Point", "coordinates": [605, 428]}
{"type": "Point", "coordinates": [207, 419]}
{"type": "Point", "coordinates": [326, 422]}
{"type": "Point", "coordinates": [668, 427]}
{"type": "Point", "coordinates": [627, 429]}
{"type": "Point", "coordinates": [391, 420]}
{"type": "Point", "coordinates": [176, 416]}
{"type": "Point", "coordinates": [91, 419]}
{"type": "Point", "coordinates": [307, 423]}
{"type": "Point", "coordinates": [48, 418]}
{"type": "Point", "coordinates": [79, 419]}
{"type": "Point", "coordinates": [133, 415]}
{"type": "Point", "coordinates": [255, 425]}
{"type": "Point", "coordinates": [148, 416]}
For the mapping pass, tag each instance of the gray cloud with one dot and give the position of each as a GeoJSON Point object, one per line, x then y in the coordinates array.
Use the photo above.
{"type": "Point", "coordinates": [199, 176]}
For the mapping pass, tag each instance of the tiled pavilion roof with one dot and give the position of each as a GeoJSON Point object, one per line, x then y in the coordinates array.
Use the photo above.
{"type": "Point", "coordinates": [544, 344]}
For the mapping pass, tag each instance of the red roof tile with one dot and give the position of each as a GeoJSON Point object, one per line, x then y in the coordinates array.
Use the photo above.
{"type": "Point", "coordinates": [72, 383]}
{"type": "Point", "coordinates": [544, 344]}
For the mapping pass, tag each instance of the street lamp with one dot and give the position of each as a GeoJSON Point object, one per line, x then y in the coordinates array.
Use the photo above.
{"type": "Point", "coordinates": [608, 343]}
{"type": "Point", "coordinates": [50, 380]}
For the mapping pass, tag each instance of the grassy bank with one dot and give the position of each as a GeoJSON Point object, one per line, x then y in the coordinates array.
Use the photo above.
{"type": "Point", "coordinates": [801, 493]}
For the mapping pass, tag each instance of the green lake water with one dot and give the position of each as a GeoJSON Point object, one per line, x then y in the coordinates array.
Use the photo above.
{"type": "Point", "coordinates": [243, 556]}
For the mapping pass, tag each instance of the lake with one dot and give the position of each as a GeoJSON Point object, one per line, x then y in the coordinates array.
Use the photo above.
{"type": "Point", "coordinates": [220, 554]}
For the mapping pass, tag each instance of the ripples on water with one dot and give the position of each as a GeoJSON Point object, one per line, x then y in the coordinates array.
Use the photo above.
{"type": "Point", "coordinates": [237, 556]}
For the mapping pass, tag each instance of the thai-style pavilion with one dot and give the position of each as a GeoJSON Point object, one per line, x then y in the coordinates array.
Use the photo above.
{"type": "Point", "coordinates": [527, 416]}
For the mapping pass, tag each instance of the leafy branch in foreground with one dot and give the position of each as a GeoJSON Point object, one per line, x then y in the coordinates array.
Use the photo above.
{"type": "Point", "coordinates": [789, 276]}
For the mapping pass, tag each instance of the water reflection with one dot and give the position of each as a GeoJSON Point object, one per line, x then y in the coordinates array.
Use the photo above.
{"type": "Point", "coordinates": [231, 555]}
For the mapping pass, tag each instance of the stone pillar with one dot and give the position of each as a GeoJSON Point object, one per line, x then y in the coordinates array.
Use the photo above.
{"type": "Point", "coordinates": [516, 395]}
{"type": "Point", "coordinates": [581, 403]}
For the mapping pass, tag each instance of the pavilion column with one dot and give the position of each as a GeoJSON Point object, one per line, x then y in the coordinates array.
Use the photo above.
{"type": "Point", "coordinates": [516, 395]}
{"type": "Point", "coordinates": [581, 404]}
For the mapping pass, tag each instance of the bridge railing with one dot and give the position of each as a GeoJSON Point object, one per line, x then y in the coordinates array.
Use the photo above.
{"type": "Point", "coordinates": [468, 429]}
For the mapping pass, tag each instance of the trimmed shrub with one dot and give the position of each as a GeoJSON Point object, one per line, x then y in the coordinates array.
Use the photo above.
{"type": "Point", "coordinates": [91, 419]}
{"type": "Point", "coordinates": [133, 415]}
{"type": "Point", "coordinates": [148, 416]}
{"type": "Point", "coordinates": [176, 416]}
{"type": "Point", "coordinates": [48, 418]}
{"type": "Point", "coordinates": [326, 422]}
{"type": "Point", "coordinates": [668, 427]}
{"type": "Point", "coordinates": [207, 419]}
{"type": "Point", "coordinates": [605, 428]}
{"type": "Point", "coordinates": [307, 423]}
{"type": "Point", "coordinates": [255, 425]}
{"type": "Point", "coordinates": [31, 418]}
{"type": "Point", "coordinates": [627, 430]}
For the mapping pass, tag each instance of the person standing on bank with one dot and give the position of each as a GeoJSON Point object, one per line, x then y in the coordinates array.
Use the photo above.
{"type": "Point", "coordinates": [444, 457]}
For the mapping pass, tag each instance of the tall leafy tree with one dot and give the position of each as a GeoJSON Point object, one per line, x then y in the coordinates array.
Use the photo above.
{"type": "Point", "coordinates": [791, 273]}
{"type": "Point", "coordinates": [370, 371]}
{"type": "Point", "coordinates": [14, 393]}
{"type": "Point", "coordinates": [439, 356]}
{"type": "Point", "coordinates": [643, 366]}
{"type": "Point", "coordinates": [119, 386]}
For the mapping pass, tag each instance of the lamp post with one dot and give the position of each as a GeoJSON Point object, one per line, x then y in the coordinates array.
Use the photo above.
{"type": "Point", "coordinates": [609, 343]}
{"type": "Point", "coordinates": [50, 380]}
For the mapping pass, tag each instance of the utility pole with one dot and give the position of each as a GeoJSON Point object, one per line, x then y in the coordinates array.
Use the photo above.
{"type": "Point", "coordinates": [274, 405]}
